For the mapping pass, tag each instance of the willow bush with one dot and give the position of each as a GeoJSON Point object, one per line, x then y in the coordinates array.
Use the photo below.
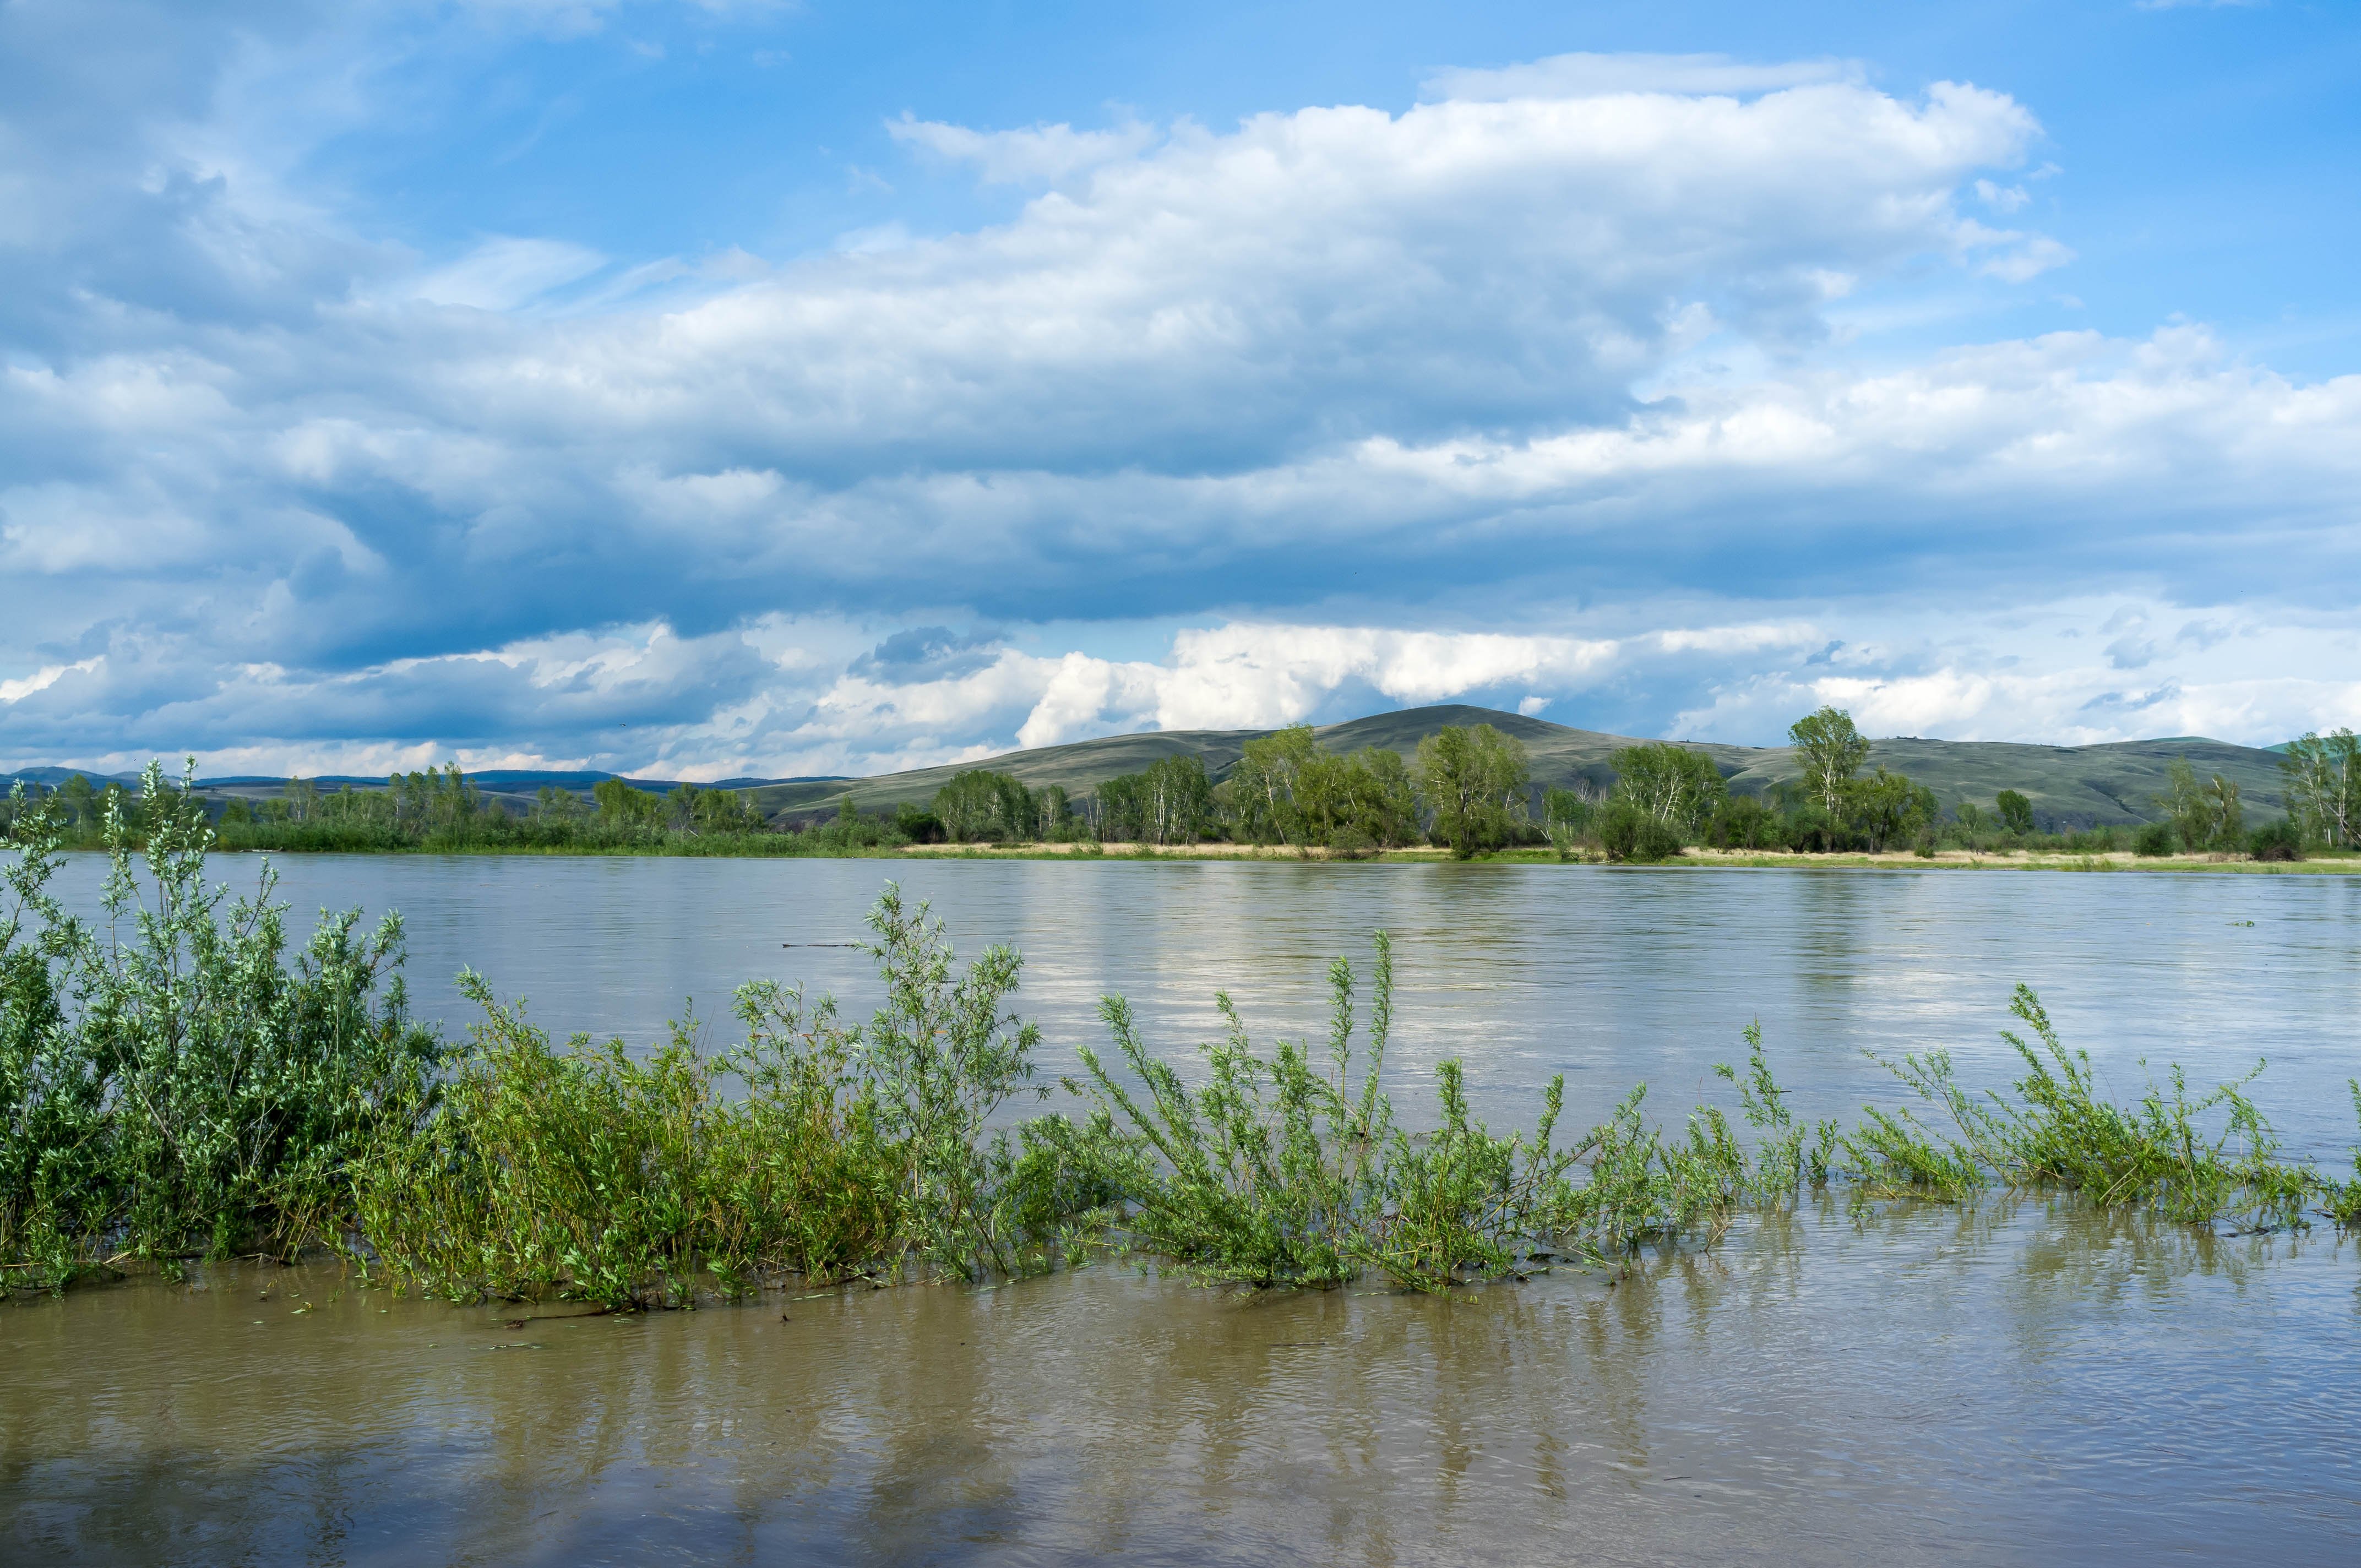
{"type": "Point", "coordinates": [2192, 1159]}
{"type": "Point", "coordinates": [1291, 1169]}
{"type": "Point", "coordinates": [170, 1082]}
{"type": "Point", "coordinates": [1267, 1173]}
{"type": "Point", "coordinates": [582, 1171]}
{"type": "Point", "coordinates": [849, 1148]}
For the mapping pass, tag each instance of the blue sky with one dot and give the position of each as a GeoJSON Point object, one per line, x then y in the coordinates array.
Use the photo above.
{"type": "Point", "coordinates": [711, 388]}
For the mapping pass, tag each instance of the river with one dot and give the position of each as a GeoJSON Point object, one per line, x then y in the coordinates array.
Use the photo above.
{"type": "Point", "coordinates": [2026, 1380]}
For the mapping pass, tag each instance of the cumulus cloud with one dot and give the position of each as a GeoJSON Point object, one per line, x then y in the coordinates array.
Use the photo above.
{"type": "Point", "coordinates": [786, 696]}
{"type": "Point", "coordinates": [1338, 406]}
{"type": "Point", "coordinates": [925, 654]}
{"type": "Point", "coordinates": [1042, 154]}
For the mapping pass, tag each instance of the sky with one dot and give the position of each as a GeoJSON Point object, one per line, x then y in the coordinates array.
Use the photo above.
{"type": "Point", "coordinates": [716, 388]}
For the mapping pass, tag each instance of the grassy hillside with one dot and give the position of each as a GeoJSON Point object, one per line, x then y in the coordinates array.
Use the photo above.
{"type": "Point", "coordinates": [1079, 766]}
{"type": "Point", "coordinates": [2069, 786]}
{"type": "Point", "coordinates": [2076, 785]}
{"type": "Point", "coordinates": [1561, 755]}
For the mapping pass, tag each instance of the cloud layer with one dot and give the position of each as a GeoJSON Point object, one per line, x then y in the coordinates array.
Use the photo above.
{"type": "Point", "coordinates": [1553, 389]}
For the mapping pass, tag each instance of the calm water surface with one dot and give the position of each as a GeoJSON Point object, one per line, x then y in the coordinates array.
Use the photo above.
{"type": "Point", "coordinates": [2017, 1384]}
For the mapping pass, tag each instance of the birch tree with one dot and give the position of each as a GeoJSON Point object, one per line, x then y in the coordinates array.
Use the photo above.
{"type": "Point", "coordinates": [2324, 785]}
{"type": "Point", "coordinates": [1830, 751]}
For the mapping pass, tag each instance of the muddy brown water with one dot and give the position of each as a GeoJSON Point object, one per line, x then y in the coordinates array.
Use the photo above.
{"type": "Point", "coordinates": [2029, 1381]}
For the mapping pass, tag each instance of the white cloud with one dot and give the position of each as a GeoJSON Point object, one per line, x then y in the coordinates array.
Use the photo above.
{"type": "Point", "coordinates": [502, 273]}
{"type": "Point", "coordinates": [2064, 418]}
{"type": "Point", "coordinates": [785, 697]}
{"type": "Point", "coordinates": [2029, 257]}
{"type": "Point", "coordinates": [1039, 154]}
{"type": "Point", "coordinates": [1247, 674]}
{"type": "Point", "coordinates": [2002, 198]}
{"type": "Point", "coordinates": [1324, 272]}
{"type": "Point", "coordinates": [42, 680]}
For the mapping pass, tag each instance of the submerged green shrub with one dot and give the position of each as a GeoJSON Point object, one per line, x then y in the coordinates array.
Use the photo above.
{"type": "Point", "coordinates": [1641, 1186]}
{"type": "Point", "coordinates": [1461, 1202]}
{"type": "Point", "coordinates": [2344, 1198]}
{"type": "Point", "coordinates": [1264, 1175]}
{"type": "Point", "coordinates": [1290, 1171]}
{"type": "Point", "coordinates": [171, 1083]}
{"type": "Point", "coordinates": [586, 1172]}
{"type": "Point", "coordinates": [2058, 1132]}
{"type": "Point", "coordinates": [941, 1059]}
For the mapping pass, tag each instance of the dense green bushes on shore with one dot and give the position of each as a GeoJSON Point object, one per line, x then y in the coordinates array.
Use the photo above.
{"type": "Point", "coordinates": [1468, 790]}
{"type": "Point", "coordinates": [173, 1084]}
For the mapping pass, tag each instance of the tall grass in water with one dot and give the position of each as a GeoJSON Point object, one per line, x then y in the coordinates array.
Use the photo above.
{"type": "Point", "coordinates": [853, 1148]}
{"type": "Point", "coordinates": [1291, 1170]}
{"type": "Point", "coordinates": [2344, 1198]}
{"type": "Point", "coordinates": [580, 1170]}
{"type": "Point", "coordinates": [2193, 1158]}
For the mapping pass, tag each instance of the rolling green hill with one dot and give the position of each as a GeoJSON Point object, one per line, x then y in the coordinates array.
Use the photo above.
{"type": "Point", "coordinates": [1080, 766]}
{"type": "Point", "coordinates": [2069, 785]}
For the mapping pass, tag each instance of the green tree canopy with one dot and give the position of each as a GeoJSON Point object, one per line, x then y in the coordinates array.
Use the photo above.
{"type": "Point", "coordinates": [1170, 802]}
{"type": "Point", "coordinates": [1266, 788]}
{"type": "Point", "coordinates": [2016, 811]}
{"type": "Point", "coordinates": [2205, 817]}
{"type": "Point", "coordinates": [618, 804]}
{"type": "Point", "coordinates": [715, 810]}
{"type": "Point", "coordinates": [1672, 784]}
{"type": "Point", "coordinates": [1475, 782]}
{"type": "Point", "coordinates": [1365, 797]}
{"type": "Point", "coordinates": [1888, 807]}
{"type": "Point", "coordinates": [1831, 751]}
{"type": "Point", "coordinates": [80, 800]}
{"type": "Point", "coordinates": [2323, 786]}
{"type": "Point", "coordinates": [981, 805]}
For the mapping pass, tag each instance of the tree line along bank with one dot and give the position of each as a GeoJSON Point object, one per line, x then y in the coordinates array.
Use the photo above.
{"type": "Point", "coordinates": [1467, 789]}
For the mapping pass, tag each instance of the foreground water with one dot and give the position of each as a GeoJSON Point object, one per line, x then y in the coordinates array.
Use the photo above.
{"type": "Point", "coordinates": [2023, 1382]}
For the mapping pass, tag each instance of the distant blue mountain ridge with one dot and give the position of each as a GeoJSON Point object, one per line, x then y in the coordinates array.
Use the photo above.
{"type": "Point", "coordinates": [499, 781]}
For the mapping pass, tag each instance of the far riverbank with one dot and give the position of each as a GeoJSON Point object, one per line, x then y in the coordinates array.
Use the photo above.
{"type": "Point", "coordinates": [784, 846]}
{"type": "Point", "coordinates": [2344, 862]}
